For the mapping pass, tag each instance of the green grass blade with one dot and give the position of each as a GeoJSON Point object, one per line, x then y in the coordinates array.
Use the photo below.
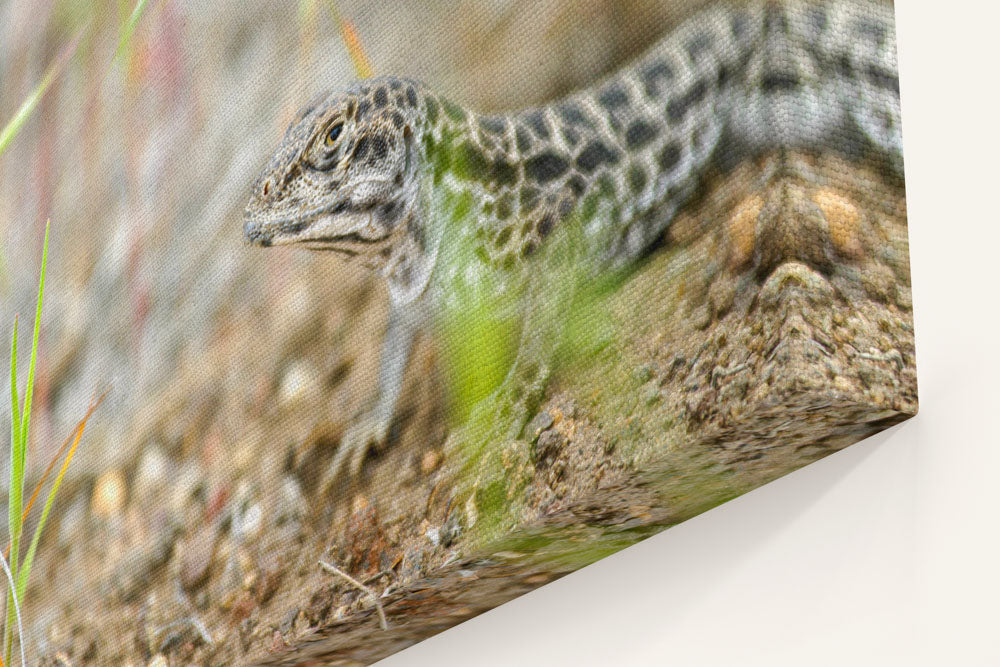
{"type": "Point", "coordinates": [15, 124]}
{"type": "Point", "coordinates": [15, 493]}
{"type": "Point", "coordinates": [15, 413]}
{"type": "Point", "coordinates": [29, 390]}
{"type": "Point", "coordinates": [11, 129]}
{"type": "Point", "coordinates": [13, 509]}
{"type": "Point", "coordinates": [126, 37]}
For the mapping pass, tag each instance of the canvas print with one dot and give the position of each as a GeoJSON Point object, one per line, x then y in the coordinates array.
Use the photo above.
{"type": "Point", "coordinates": [336, 323]}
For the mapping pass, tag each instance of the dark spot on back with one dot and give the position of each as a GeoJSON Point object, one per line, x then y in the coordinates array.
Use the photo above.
{"type": "Point", "coordinates": [453, 111]}
{"type": "Point", "coordinates": [775, 19]}
{"type": "Point", "coordinates": [876, 31]}
{"type": "Point", "coordinates": [636, 178]}
{"type": "Point", "coordinates": [613, 96]}
{"type": "Point", "coordinates": [472, 163]}
{"type": "Point", "coordinates": [529, 198]}
{"type": "Point", "coordinates": [493, 124]}
{"type": "Point", "coordinates": [395, 84]}
{"type": "Point", "coordinates": [397, 120]}
{"type": "Point", "coordinates": [545, 225]}
{"type": "Point", "coordinates": [639, 134]}
{"type": "Point", "coordinates": [505, 206]}
{"type": "Point", "coordinates": [775, 82]}
{"type": "Point", "coordinates": [594, 155]}
{"type": "Point", "coordinates": [678, 108]}
{"type": "Point", "coordinates": [545, 167]}
{"type": "Point", "coordinates": [577, 184]}
{"type": "Point", "coordinates": [363, 107]}
{"type": "Point", "coordinates": [380, 98]}
{"type": "Point", "coordinates": [571, 136]}
{"type": "Point", "coordinates": [669, 157]}
{"type": "Point", "coordinates": [739, 25]}
{"type": "Point", "coordinates": [817, 17]}
{"type": "Point", "coordinates": [411, 96]}
{"type": "Point", "coordinates": [654, 75]}
{"type": "Point", "coordinates": [883, 78]}
{"type": "Point", "coordinates": [504, 173]}
{"type": "Point", "coordinates": [565, 206]}
{"type": "Point", "coordinates": [573, 114]}
{"type": "Point", "coordinates": [536, 119]}
{"type": "Point", "coordinates": [503, 237]}
{"type": "Point", "coordinates": [698, 46]}
{"type": "Point", "coordinates": [844, 67]}
{"type": "Point", "coordinates": [432, 110]}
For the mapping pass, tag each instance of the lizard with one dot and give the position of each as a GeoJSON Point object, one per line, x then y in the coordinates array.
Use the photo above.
{"type": "Point", "coordinates": [392, 173]}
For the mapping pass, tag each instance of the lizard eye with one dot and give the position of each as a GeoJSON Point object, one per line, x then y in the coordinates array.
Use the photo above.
{"type": "Point", "coordinates": [334, 134]}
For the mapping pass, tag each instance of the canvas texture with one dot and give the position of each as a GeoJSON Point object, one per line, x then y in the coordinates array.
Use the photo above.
{"type": "Point", "coordinates": [363, 318]}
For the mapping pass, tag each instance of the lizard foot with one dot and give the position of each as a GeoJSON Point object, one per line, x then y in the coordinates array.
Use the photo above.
{"type": "Point", "coordinates": [370, 429]}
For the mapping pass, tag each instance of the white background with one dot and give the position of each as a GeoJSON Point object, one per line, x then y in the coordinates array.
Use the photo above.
{"type": "Point", "coordinates": [887, 553]}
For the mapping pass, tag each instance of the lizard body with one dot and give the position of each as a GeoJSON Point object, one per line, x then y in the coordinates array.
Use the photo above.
{"type": "Point", "coordinates": [391, 172]}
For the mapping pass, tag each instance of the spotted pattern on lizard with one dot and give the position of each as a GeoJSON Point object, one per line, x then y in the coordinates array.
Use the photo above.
{"type": "Point", "coordinates": [391, 172]}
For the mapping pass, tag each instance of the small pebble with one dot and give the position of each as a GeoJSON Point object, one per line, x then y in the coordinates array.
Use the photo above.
{"type": "Point", "coordinates": [109, 494]}
{"type": "Point", "coordinates": [541, 422]}
{"type": "Point", "coordinates": [430, 461]}
{"type": "Point", "coordinates": [296, 380]}
{"type": "Point", "coordinates": [152, 471]}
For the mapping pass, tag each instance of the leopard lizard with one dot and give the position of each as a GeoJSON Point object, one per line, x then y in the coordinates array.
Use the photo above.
{"type": "Point", "coordinates": [392, 173]}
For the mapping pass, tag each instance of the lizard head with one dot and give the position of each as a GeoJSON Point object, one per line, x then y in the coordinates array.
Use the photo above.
{"type": "Point", "coordinates": [345, 176]}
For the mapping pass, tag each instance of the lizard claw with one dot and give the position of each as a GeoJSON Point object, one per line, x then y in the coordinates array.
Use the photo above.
{"type": "Point", "coordinates": [370, 429]}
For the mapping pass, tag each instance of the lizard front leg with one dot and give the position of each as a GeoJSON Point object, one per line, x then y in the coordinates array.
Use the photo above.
{"type": "Point", "coordinates": [371, 426]}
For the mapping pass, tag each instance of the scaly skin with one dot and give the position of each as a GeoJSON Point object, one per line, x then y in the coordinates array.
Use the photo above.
{"type": "Point", "coordinates": [390, 172]}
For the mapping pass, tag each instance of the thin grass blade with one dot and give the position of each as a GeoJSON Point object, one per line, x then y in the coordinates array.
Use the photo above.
{"type": "Point", "coordinates": [15, 413]}
{"type": "Point", "coordinates": [55, 459]}
{"type": "Point", "coordinates": [13, 126]}
{"type": "Point", "coordinates": [14, 495]}
{"type": "Point", "coordinates": [29, 390]}
{"type": "Point", "coordinates": [129, 30]}
{"type": "Point", "coordinates": [29, 557]}
{"type": "Point", "coordinates": [352, 41]}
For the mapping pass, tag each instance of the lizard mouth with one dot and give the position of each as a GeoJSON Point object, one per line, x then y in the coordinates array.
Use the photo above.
{"type": "Point", "coordinates": [315, 233]}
